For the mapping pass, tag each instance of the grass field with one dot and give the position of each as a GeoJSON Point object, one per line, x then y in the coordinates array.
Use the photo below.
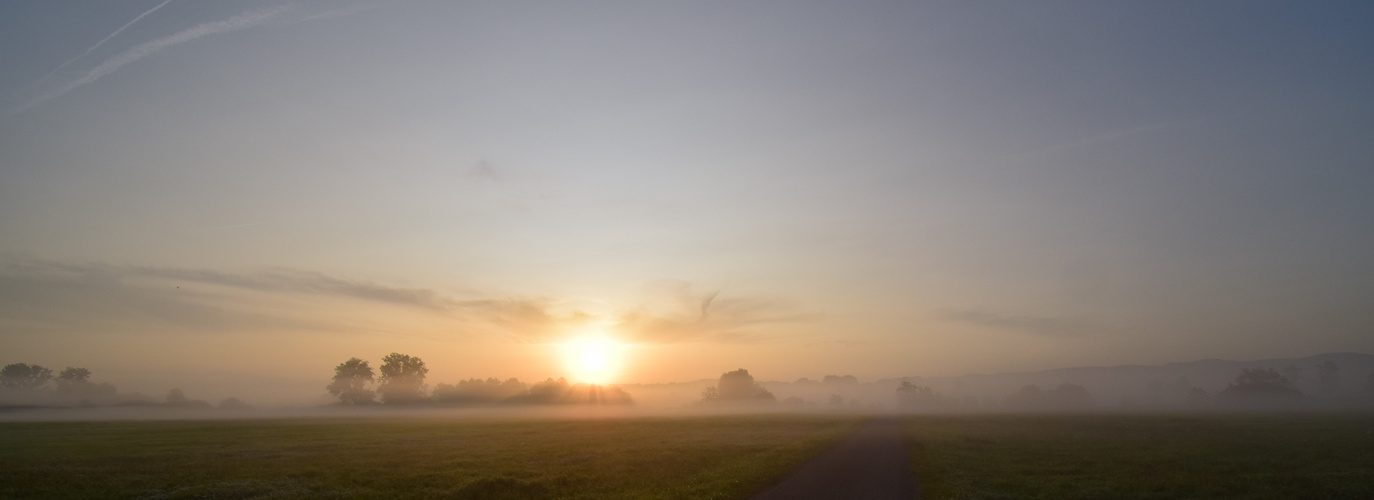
{"type": "Point", "coordinates": [954, 457]}
{"type": "Point", "coordinates": [1126, 457]}
{"type": "Point", "coordinates": [716, 457]}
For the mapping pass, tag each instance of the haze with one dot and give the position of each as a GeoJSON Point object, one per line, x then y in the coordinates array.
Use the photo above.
{"type": "Point", "coordinates": [235, 197]}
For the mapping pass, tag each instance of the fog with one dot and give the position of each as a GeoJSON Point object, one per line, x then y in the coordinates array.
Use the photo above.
{"type": "Point", "coordinates": [851, 206]}
{"type": "Point", "coordinates": [1329, 382]}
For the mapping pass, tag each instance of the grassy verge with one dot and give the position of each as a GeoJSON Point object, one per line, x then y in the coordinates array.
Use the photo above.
{"type": "Point", "coordinates": [708, 457]}
{"type": "Point", "coordinates": [1126, 457]}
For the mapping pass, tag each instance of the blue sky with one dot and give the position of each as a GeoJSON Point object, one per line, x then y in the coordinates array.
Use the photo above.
{"type": "Point", "coordinates": [878, 188]}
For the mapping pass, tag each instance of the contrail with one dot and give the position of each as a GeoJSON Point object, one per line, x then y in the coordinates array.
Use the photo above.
{"type": "Point", "coordinates": [112, 35]}
{"type": "Point", "coordinates": [245, 20]}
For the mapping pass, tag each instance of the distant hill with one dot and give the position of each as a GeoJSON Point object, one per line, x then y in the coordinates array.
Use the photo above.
{"type": "Point", "coordinates": [1125, 387]}
{"type": "Point", "coordinates": [1129, 386]}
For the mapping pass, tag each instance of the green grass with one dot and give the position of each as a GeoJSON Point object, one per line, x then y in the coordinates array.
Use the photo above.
{"type": "Point", "coordinates": [954, 457]}
{"type": "Point", "coordinates": [1130, 457]}
{"type": "Point", "coordinates": [706, 457]}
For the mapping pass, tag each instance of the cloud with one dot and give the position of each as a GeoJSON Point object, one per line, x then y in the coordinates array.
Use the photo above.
{"type": "Point", "coordinates": [38, 295]}
{"type": "Point", "coordinates": [242, 21]}
{"type": "Point", "coordinates": [1038, 325]}
{"type": "Point", "coordinates": [290, 281]}
{"type": "Point", "coordinates": [47, 295]}
{"type": "Point", "coordinates": [680, 314]}
{"type": "Point", "coordinates": [111, 35]}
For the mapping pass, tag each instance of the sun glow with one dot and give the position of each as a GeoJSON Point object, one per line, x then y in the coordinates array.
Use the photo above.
{"type": "Point", "coordinates": [593, 359]}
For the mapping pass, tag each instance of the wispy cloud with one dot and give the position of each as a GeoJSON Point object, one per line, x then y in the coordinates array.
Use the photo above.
{"type": "Point", "coordinates": [91, 294]}
{"type": "Point", "coordinates": [242, 21]}
{"type": "Point", "coordinates": [1038, 325]}
{"type": "Point", "coordinates": [108, 37]}
{"type": "Point", "coordinates": [683, 314]}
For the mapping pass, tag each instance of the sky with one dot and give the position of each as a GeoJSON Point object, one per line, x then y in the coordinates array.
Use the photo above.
{"type": "Point", "coordinates": [237, 196]}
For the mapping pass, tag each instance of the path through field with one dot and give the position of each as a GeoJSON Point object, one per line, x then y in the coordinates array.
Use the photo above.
{"type": "Point", "coordinates": [870, 464]}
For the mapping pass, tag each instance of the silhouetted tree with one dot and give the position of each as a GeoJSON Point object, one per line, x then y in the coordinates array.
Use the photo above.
{"type": "Point", "coordinates": [597, 395]}
{"type": "Point", "coordinates": [77, 375]}
{"type": "Point", "coordinates": [840, 379]}
{"type": "Point", "coordinates": [77, 381]}
{"type": "Point", "coordinates": [403, 379]}
{"type": "Point", "coordinates": [919, 396]}
{"type": "Point", "coordinates": [178, 399]}
{"type": "Point", "coordinates": [549, 391]}
{"type": "Point", "coordinates": [738, 386]}
{"type": "Point", "coordinates": [477, 391]}
{"type": "Point", "coordinates": [1070, 397]}
{"type": "Point", "coordinates": [1261, 386]}
{"type": "Point", "coordinates": [175, 397]}
{"type": "Point", "coordinates": [350, 382]}
{"type": "Point", "coordinates": [24, 377]}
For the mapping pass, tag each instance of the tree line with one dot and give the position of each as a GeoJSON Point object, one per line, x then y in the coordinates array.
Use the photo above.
{"type": "Point", "coordinates": [1253, 388]}
{"type": "Point", "coordinates": [24, 384]}
{"type": "Point", "coordinates": [72, 380]}
{"type": "Point", "coordinates": [400, 380]}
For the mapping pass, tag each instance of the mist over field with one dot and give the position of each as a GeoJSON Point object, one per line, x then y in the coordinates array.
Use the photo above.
{"type": "Point", "coordinates": [868, 207]}
{"type": "Point", "coordinates": [1324, 383]}
{"type": "Point", "coordinates": [691, 249]}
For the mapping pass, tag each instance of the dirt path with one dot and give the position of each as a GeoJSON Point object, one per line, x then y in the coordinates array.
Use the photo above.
{"type": "Point", "coordinates": [870, 464]}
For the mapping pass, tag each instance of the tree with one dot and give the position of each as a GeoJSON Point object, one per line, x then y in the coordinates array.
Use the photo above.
{"type": "Point", "coordinates": [477, 390]}
{"type": "Point", "coordinates": [840, 379]}
{"type": "Point", "coordinates": [77, 381]}
{"type": "Point", "coordinates": [403, 379]}
{"type": "Point", "coordinates": [73, 380]}
{"type": "Point", "coordinates": [176, 397]}
{"type": "Point", "coordinates": [1261, 386]}
{"type": "Point", "coordinates": [737, 387]}
{"type": "Point", "coordinates": [918, 396]}
{"type": "Point", "coordinates": [350, 382]}
{"type": "Point", "coordinates": [78, 375]}
{"type": "Point", "coordinates": [24, 377]}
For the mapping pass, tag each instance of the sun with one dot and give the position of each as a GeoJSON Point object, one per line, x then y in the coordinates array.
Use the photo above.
{"type": "Point", "coordinates": [593, 359]}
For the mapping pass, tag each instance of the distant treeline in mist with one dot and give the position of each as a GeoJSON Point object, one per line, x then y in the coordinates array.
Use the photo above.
{"type": "Point", "coordinates": [25, 385]}
{"type": "Point", "coordinates": [402, 382]}
{"type": "Point", "coordinates": [1325, 382]}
